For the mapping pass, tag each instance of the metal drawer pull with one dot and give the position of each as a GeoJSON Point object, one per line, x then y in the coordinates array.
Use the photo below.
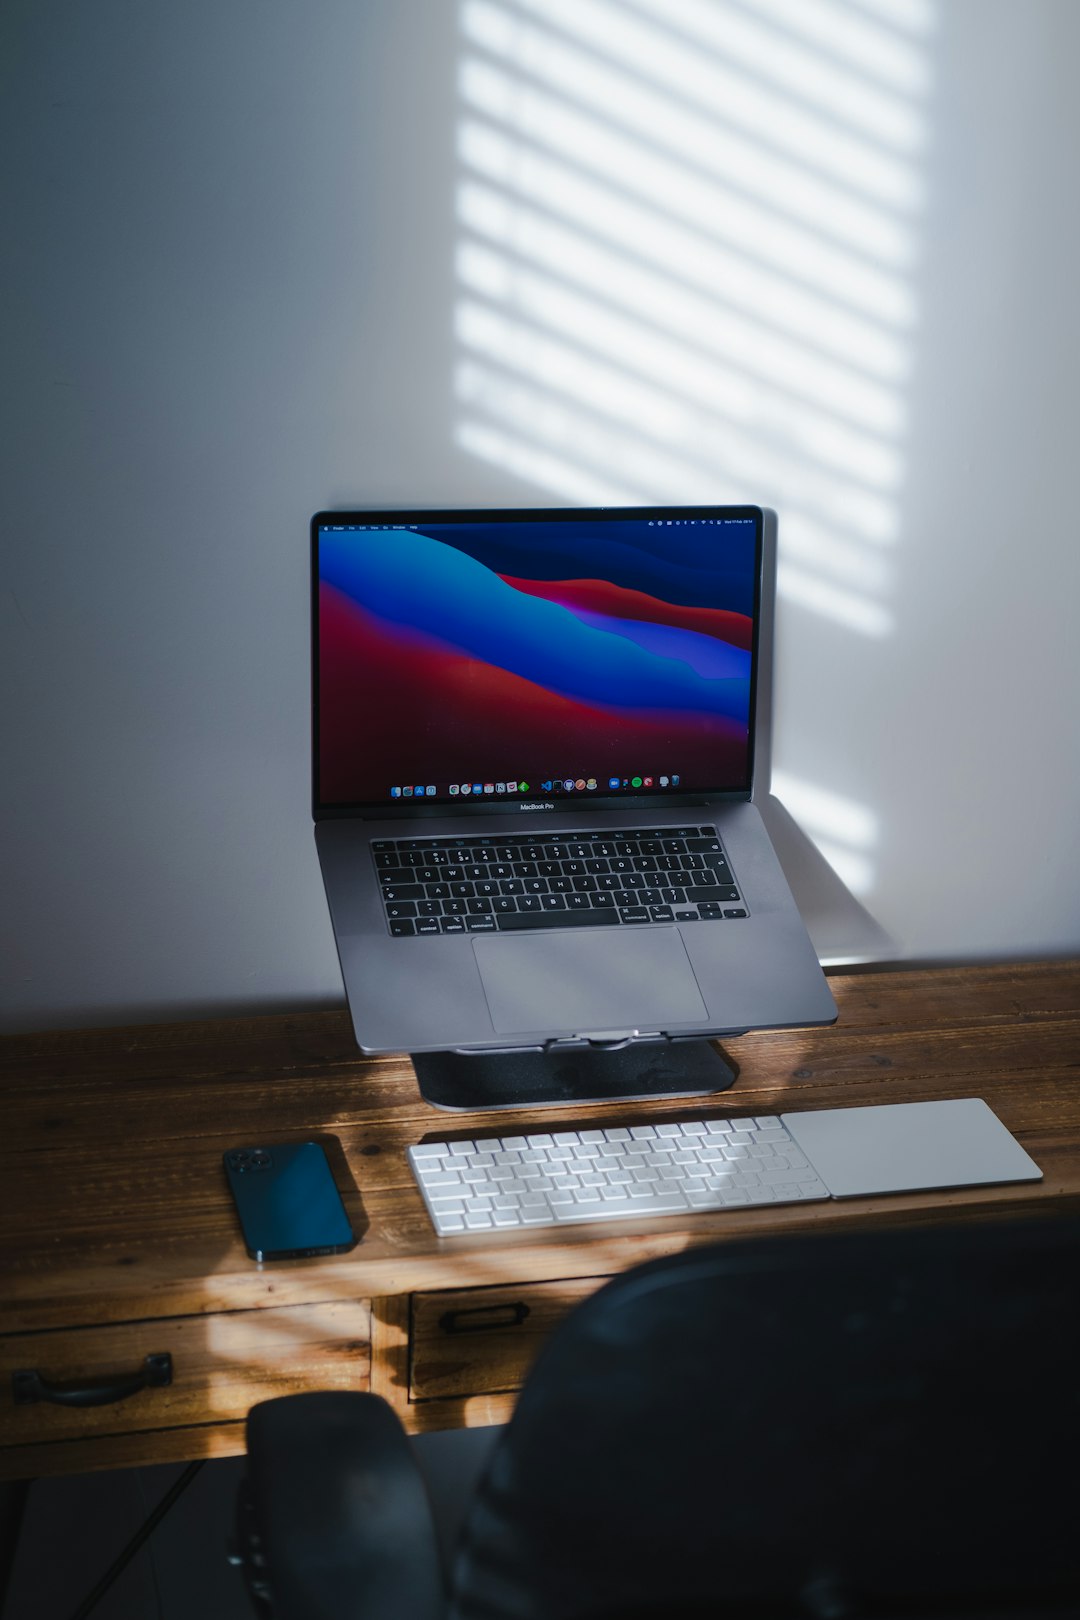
{"type": "Point", "coordinates": [483, 1318]}
{"type": "Point", "coordinates": [29, 1385]}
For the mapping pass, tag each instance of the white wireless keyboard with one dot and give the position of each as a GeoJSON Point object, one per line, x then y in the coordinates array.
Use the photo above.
{"type": "Point", "coordinates": [547, 1179]}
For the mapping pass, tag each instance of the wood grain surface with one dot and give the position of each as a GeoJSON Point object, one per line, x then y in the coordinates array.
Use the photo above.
{"type": "Point", "coordinates": [114, 1207]}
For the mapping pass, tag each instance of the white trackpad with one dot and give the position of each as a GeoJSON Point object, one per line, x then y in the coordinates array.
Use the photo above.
{"type": "Point", "coordinates": [902, 1147]}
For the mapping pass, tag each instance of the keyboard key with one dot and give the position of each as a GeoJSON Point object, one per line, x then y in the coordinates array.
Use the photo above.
{"type": "Point", "coordinates": [401, 908]}
{"type": "Point", "coordinates": [556, 919]}
{"type": "Point", "coordinates": [585, 1208]}
{"type": "Point", "coordinates": [444, 1181]}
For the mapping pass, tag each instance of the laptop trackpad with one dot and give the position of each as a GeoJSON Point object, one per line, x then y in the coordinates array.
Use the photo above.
{"type": "Point", "coordinates": [610, 979]}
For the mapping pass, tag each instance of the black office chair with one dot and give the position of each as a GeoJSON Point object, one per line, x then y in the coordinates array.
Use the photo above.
{"type": "Point", "coordinates": [831, 1426]}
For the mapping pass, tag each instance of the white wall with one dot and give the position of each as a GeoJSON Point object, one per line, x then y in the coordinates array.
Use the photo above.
{"type": "Point", "coordinates": [230, 298]}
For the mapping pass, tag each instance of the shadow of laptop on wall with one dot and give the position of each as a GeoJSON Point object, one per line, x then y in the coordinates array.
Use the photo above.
{"type": "Point", "coordinates": [840, 926]}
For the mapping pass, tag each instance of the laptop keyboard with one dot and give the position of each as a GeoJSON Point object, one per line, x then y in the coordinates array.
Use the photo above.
{"type": "Point", "coordinates": [555, 880]}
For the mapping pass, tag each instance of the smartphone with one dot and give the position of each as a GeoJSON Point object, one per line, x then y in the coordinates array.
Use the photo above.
{"type": "Point", "coordinates": [288, 1204]}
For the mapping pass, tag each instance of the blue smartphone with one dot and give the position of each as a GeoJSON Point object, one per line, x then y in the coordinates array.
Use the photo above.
{"type": "Point", "coordinates": [287, 1201]}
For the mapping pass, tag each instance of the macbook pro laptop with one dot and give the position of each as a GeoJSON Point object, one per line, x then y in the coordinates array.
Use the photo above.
{"type": "Point", "coordinates": [534, 745]}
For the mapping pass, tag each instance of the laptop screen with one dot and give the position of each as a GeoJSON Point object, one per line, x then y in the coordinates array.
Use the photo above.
{"type": "Point", "coordinates": [478, 659]}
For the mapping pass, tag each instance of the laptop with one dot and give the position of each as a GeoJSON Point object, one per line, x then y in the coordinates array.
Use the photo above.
{"type": "Point", "coordinates": [535, 735]}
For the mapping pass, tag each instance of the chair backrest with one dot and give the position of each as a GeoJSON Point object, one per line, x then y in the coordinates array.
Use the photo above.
{"type": "Point", "coordinates": [834, 1425]}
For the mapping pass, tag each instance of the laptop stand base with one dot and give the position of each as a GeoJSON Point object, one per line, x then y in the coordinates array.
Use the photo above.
{"type": "Point", "coordinates": [641, 1072]}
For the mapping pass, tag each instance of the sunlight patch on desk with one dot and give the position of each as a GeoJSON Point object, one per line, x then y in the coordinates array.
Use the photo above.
{"type": "Point", "coordinates": [325, 1345]}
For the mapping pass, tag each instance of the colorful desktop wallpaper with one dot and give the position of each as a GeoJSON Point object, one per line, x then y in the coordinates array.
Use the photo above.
{"type": "Point", "coordinates": [530, 652]}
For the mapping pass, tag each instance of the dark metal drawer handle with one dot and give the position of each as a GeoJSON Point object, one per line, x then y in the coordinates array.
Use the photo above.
{"type": "Point", "coordinates": [483, 1318]}
{"type": "Point", "coordinates": [30, 1386]}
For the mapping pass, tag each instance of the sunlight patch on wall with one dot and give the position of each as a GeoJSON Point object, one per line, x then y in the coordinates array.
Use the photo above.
{"type": "Point", "coordinates": [845, 832]}
{"type": "Point", "coordinates": [687, 232]}
{"type": "Point", "coordinates": [686, 236]}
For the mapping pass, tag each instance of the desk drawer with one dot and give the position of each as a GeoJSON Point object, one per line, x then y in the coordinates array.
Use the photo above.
{"type": "Point", "coordinates": [220, 1366]}
{"type": "Point", "coordinates": [482, 1341]}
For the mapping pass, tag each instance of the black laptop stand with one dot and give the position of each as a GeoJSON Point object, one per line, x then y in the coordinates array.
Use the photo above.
{"type": "Point", "coordinates": [565, 1073]}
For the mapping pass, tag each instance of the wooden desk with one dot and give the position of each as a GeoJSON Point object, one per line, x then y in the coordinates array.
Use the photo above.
{"type": "Point", "coordinates": [118, 1238]}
